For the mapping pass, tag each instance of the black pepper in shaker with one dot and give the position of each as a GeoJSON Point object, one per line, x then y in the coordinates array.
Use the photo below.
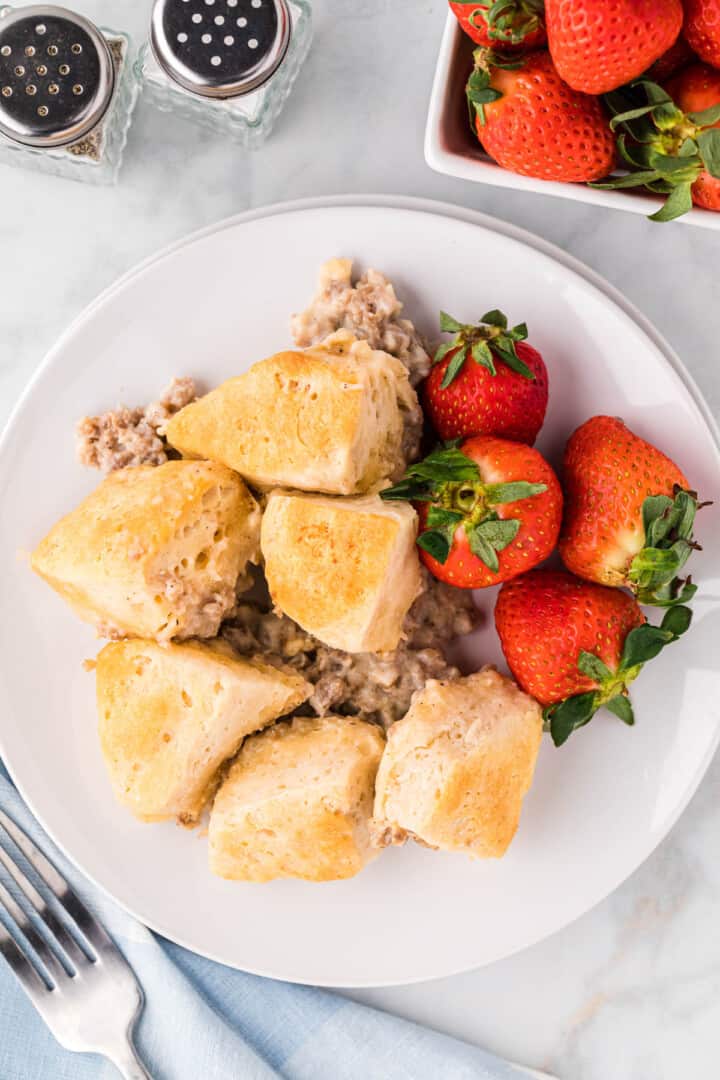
{"type": "Point", "coordinates": [66, 93]}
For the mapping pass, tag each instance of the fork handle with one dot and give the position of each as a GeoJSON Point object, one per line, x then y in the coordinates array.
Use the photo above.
{"type": "Point", "coordinates": [128, 1063]}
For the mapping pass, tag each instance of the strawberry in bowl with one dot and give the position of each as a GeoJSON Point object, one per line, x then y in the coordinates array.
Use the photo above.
{"type": "Point", "coordinates": [576, 647]}
{"type": "Point", "coordinates": [629, 513]}
{"type": "Point", "coordinates": [489, 509]}
{"type": "Point", "coordinates": [487, 381]}
{"type": "Point", "coordinates": [677, 57]}
{"type": "Point", "coordinates": [696, 92]}
{"type": "Point", "coordinates": [509, 23]}
{"type": "Point", "coordinates": [701, 29]}
{"type": "Point", "coordinates": [597, 45]}
{"type": "Point", "coordinates": [533, 123]}
{"type": "Point", "coordinates": [670, 140]}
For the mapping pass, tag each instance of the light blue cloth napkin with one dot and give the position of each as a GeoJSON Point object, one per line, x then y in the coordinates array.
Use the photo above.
{"type": "Point", "coordinates": [203, 1021]}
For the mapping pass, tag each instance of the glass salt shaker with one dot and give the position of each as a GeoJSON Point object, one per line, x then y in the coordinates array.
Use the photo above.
{"type": "Point", "coordinates": [229, 65]}
{"type": "Point", "coordinates": [67, 93]}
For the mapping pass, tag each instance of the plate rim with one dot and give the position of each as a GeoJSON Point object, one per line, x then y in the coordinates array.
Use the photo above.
{"type": "Point", "coordinates": [440, 209]}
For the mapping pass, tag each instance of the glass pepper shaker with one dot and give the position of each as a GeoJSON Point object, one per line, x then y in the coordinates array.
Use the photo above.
{"type": "Point", "coordinates": [227, 64]}
{"type": "Point", "coordinates": [67, 93]}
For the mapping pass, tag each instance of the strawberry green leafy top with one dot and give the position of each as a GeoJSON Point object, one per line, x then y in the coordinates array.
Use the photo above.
{"type": "Point", "coordinates": [490, 340]}
{"type": "Point", "coordinates": [509, 21]}
{"type": "Point", "coordinates": [641, 644]}
{"type": "Point", "coordinates": [666, 149]}
{"type": "Point", "coordinates": [669, 542]}
{"type": "Point", "coordinates": [451, 482]}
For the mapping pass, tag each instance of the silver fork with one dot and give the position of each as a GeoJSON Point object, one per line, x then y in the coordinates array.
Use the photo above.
{"type": "Point", "coordinates": [87, 995]}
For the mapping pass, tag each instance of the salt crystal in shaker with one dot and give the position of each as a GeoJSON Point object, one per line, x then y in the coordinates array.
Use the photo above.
{"type": "Point", "coordinates": [67, 93]}
{"type": "Point", "coordinates": [227, 64]}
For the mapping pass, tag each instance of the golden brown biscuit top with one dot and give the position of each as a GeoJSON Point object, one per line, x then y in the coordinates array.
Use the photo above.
{"type": "Point", "coordinates": [333, 555]}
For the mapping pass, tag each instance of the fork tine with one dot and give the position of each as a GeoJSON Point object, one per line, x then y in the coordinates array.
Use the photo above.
{"type": "Point", "coordinates": [68, 898]}
{"type": "Point", "coordinates": [22, 967]}
{"type": "Point", "coordinates": [48, 916]}
{"type": "Point", "coordinates": [96, 1010]}
{"type": "Point", "coordinates": [40, 945]}
{"type": "Point", "coordinates": [76, 954]}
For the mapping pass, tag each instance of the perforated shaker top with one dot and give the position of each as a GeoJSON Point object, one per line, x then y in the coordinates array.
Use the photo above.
{"type": "Point", "coordinates": [56, 76]}
{"type": "Point", "coordinates": [220, 48]}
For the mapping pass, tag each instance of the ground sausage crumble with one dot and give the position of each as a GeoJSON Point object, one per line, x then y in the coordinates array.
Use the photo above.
{"type": "Point", "coordinates": [122, 438]}
{"type": "Point", "coordinates": [378, 686]}
{"type": "Point", "coordinates": [369, 309]}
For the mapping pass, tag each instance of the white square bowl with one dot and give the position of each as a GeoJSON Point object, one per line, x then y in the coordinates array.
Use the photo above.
{"type": "Point", "coordinates": [452, 148]}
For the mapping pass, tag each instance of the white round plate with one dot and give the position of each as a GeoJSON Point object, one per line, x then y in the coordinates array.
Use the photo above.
{"type": "Point", "coordinates": [210, 307]}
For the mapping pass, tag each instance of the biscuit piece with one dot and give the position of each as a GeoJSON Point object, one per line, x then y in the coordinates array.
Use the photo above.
{"type": "Point", "coordinates": [331, 418]}
{"type": "Point", "coordinates": [170, 715]}
{"type": "Point", "coordinates": [346, 570]}
{"type": "Point", "coordinates": [297, 802]}
{"type": "Point", "coordinates": [155, 552]}
{"type": "Point", "coordinates": [457, 766]}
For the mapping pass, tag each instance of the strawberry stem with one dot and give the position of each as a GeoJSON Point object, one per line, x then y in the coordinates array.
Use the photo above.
{"type": "Point", "coordinates": [669, 542]}
{"type": "Point", "coordinates": [479, 91]}
{"type": "Point", "coordinates": [507, 21]}
{"type": "Point", "coordinates": [485, 342]}
{"type": "Point", "coordinates": [452, 484]}
{"type": "Point", "coordinates": [511, 21]}
{"type": "Point", "coordinates": [665, 148]}
{"type": "Point", "coordinates": [641, 645]}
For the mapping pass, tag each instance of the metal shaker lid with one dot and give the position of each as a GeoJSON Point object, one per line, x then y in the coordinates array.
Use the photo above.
{"type": "Point", "coordinates": [56, 76]}
{"type": "Point", "coordinates": [220, 48]}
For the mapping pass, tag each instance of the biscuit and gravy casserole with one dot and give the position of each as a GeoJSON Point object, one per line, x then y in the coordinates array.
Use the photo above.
{"type": "Point", "coordinates": [278, 659]}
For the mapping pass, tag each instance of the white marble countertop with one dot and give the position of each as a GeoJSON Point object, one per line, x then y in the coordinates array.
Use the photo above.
{"type": "Point", "coordinates": [632, 990]}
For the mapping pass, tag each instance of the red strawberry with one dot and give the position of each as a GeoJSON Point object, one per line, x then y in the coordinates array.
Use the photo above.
{"type": "Point", "coordinates": [597, 45]}
{"type": "Point", "coordinates": [628, 513]}
{"type": "Point", "coordinates": [706, 191]}
{"type": "Point", "coordinates": [702, 29]}
{"type": "Point", "coordinates": [677, 57]}
{"type": "Point", "coordinates": [532, 123]}
{"type": "Point", "coordinates": [697, 90]}
{"type": "Point", "coordinates": [486, 381]}
{"type": "Point", "coordinates": [510, 24]}
{"type": "Point", "coordinates": [576, 647]}
{"type": "Point", "coordinates": [670, 150]}
{"type": "Point", "coordinates": [488, 510]}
